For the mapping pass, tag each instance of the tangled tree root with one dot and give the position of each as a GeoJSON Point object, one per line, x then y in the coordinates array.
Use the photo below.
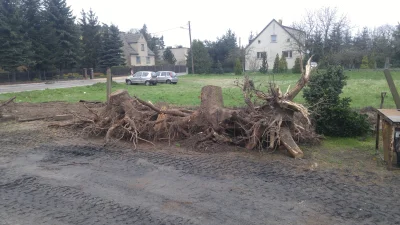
{"type": "Point", "coordinates": [267, 125]}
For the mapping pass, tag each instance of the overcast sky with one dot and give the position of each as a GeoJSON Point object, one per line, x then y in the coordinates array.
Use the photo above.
{"type": "Point", "coordinates": [211, 18]}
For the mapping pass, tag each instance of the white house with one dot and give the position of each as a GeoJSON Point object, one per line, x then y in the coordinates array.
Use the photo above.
{"type": "Point", "coordinates": [274, 39]}
{"type": "Point", "coordinates": [136, 51]}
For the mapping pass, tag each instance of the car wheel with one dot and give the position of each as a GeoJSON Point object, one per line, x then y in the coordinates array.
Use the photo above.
{"type": "Point", "coordinates": [128, 82]}
{"type": "Point", "coordinates": [155, 84]}
{"type": "Point", "coordinates": [147, 83]}
{"type": "Point", "coordinates": [168, 82]}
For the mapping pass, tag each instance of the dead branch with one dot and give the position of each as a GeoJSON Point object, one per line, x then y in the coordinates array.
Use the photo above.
{"type": "Point", "coordinates": [171, 112]}
{"type": "Point", "coordinates": [8, 101]}
{"type": "Point", "coordinates": [300, 83]}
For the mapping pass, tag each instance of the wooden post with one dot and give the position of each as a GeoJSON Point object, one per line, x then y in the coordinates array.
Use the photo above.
{"type": "Point", "coordinates": [108, 84]}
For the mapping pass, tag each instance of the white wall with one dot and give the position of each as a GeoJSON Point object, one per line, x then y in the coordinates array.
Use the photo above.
{"type": "Point", "coordinates": [263, 44]}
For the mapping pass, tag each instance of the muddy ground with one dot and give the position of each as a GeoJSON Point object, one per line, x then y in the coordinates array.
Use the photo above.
{"type": "Point", "coordinates": [56, 176]}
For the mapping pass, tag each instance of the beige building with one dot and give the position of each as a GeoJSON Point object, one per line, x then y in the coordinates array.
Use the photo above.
{"type": "Point", "coordinates": [136, 51]}
{"type": "Point", "coordinates": [180, 54]}
{"type": "Point", "coordinates": [274, 39]}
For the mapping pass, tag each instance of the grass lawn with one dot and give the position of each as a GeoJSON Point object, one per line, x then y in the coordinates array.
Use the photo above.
{"type": "Point", "coordinates": [364, 88]}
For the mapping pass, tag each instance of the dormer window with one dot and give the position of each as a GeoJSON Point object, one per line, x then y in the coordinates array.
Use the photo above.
{"type": "Point", "coordinates": [273, 38]}
{"type": "Point", "coordinates": [142, 47]}
{"type": "Point", "coordinates": [259, 41]}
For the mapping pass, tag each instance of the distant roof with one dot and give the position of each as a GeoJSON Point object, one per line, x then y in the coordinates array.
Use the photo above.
{"type": "Point", "coordinates": [125, 39]}
{"type": "Point", "coordinates": [129, 38]}
{"type": "Point", "coordinates": [289, 30]}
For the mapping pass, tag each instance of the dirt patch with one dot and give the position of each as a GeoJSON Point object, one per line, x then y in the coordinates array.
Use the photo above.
{"type": "Point", "coordinates": [57, 176]}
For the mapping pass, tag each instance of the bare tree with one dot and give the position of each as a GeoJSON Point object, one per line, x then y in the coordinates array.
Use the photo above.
{"type": "Point", "coordinates": [251, 59]}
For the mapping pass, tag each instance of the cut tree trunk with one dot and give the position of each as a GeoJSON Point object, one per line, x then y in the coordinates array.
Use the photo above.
{"type": "Point", "coordinates": [290, 144]}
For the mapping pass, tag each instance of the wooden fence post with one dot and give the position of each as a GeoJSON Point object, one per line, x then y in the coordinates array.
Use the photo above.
{"type": "Point", "coordinates": [108, 84]}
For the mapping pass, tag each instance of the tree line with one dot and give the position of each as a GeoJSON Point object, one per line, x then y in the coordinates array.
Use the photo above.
{"type": "Point", "coordinates": [329, 37]}
{"type": "Point", "coordinates": [45, 36]}
{"type": "Point", "coordinates": [220, 56]}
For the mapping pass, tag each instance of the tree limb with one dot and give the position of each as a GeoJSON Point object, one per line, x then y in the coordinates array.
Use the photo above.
{"type": "Point", "coordinates": [300, 83]}
{"type": "Point", "coordinates": [8, 101]}
{"type": "Point", "coordinates": [170, 112]}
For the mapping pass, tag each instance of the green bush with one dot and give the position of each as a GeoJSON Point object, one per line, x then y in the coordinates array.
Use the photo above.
{"type": "Point", "coordinates": [275, 68]}
{"type": "Point", "coordinates": [364, 63]}
{"type": "Point", "coordinates": [219, 69]}
{"type": "Point", "coordinates": [331, 115]}
{"type": "Point", "coordinates": [264, 63]}
{"type": "Point", "coordinates": [238, 67]}
{"type": "Point", "coordinates": [282, 68]}
{"type": "Point", "coordinates": [296, 67]}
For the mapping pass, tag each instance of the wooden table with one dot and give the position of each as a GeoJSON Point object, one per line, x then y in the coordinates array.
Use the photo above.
{"type": "Point", "coordinates": [390, 124]}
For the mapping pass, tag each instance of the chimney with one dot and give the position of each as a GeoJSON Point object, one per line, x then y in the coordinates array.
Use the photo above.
{"type": "Point", "coordinates": [280, 21]}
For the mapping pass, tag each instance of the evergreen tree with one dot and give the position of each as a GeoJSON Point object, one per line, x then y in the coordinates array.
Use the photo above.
{"type": "Point", "coordinates": [275, 69]}
{"type": "Point", "coordinates": [282, 64]}
{"type": "Point", "coordinates": [201, 58]}
{"type": "Point", "coordinates": [169, 57]}
{"type": "Point", "coordinates": [111, 51]}
{"type": "Point", "coordinates": [219, 68]}
{"type": "Point", "coordinates": [91, 40]}
{"type": "Point", "coordinates": [238, 67]}
{"type": "Point", "coordinates": [297, 66]}
{"type": "Point", "coordinates": [364, 63]}
{"type": "Point", "coordinates": [15, 48]}
{"type": "Point", "coordinates": [396, 44]}
{"type": "Point", "coordinates": [61, 22]}
{"type": "Point", "coordinates": [372, 61]}
{"type": "Point", "coordinates": [333, 117]}
{"type": "Point", "coordinates": [32, 25]}
{"type": "Point", "coordinates": [264, 63]}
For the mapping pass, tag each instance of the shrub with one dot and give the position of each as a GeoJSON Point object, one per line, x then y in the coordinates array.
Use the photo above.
{"type": "Point", "coordinates": [264, 63]}
{"type": "Point", "coordinates": [282, 68]}
{"type": "Point", "coordinates": [238, 67]}
{"type": "Point", "coordinates": [98, 74]}
{"type": "Point", "coordinates": [364, 63]}
{"type": "Point", "coordinates": [218, 68]}
{"type": "Point", "coordinates": [275, 69]}
{"type": "Point", "coordinates": [296, 67]}
{"type": "Point", "coordinates": [331, 115]}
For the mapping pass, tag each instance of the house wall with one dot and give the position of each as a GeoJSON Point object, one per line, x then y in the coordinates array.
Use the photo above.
{"type": "Point", "coordinates": [143, 60]}
{"type": "Point", "coordinates": [263, 43]}
{"type": "Point", "coordinates": [179, 53]}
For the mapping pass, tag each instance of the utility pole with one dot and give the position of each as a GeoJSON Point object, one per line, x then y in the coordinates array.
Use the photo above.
{"type": "Point", "coordinates": [191, 49]}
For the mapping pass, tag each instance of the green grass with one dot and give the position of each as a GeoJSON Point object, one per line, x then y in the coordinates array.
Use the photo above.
{"type": "Point", "coordinates": [364, 88]}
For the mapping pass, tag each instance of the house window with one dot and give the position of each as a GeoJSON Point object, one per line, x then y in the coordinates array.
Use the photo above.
{"type": "Point", "coordinates": [142, 47]}
{"type": "Point", "coordinates": [260, 55]}
{"type": "Point", "coordinates": [287, 54]}
{"type": "Point", "coordinates": [273, 38]}
{"type": "Point", "coordinates": [259, 41]}
{"type": "Point", "coordinates": [137, 59]}
{"type": "Point", "coordinates": [148, 60]}
{"type": "Point", "coordinates": [288, 40]}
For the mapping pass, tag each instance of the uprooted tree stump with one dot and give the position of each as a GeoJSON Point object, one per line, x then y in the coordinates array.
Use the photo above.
{"type": "Point", "coordinates": [266, 125]}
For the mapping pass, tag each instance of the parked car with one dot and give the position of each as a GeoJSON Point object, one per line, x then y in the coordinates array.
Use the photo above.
{"type": "Point", "coordinates": [142, 77]}
{"type": "Point", "coordinates": [168, 77]}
